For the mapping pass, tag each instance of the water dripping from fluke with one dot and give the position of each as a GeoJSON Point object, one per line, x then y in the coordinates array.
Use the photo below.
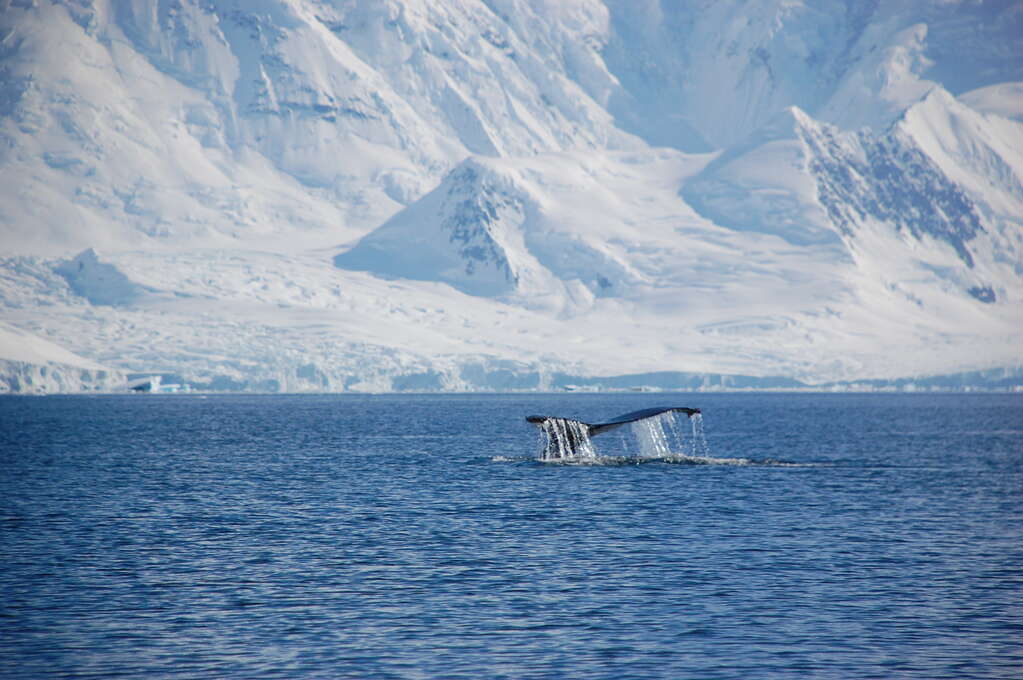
{"type": "Point", "coordinates": [657, 433]}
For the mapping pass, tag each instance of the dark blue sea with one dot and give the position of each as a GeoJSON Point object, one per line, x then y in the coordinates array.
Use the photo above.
{"type": "Point", "coordinates": [823, 536]}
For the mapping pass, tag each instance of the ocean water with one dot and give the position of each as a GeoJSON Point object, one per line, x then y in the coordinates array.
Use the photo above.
{"type": "Point", "coordinates": [827, 536]}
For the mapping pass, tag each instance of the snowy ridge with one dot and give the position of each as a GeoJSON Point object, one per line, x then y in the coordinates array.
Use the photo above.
{"type": "Point", "coordinates": [888, 179]}
{"type": "Point", "coordinates": [512, 230]}
{"type": "Point", "coordinates": [470, 245]}
{"type": "Point", "coordinates": [31, 364]}
{"type": "Point", "coordinates": [510, 194]}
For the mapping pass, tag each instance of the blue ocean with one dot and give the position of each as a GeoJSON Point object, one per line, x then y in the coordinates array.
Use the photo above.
{"type": "Point", "coordinates": [340, 536]}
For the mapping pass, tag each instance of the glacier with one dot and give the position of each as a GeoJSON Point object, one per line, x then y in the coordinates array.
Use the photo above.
{"type": "Point", "coordinates": [378, 195]}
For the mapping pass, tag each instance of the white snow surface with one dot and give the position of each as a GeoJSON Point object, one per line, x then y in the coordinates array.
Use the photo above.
{"type": "Point", "coordinates": [19, 345]}
{"type": "Point", "coordinates": [484, 194]}
{"type": "Point", "coordinates": [31, 364]}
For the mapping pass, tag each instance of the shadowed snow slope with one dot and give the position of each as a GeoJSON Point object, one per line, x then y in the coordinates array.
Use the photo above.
{"type": "Point", "coordinates": [497, 194]}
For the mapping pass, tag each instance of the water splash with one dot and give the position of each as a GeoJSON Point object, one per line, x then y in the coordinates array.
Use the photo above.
{"type": "Point", "coordinates": [699, 446]}
{"type": "Point", "coordinates": [665, 437]}
{"type": "Point", "coordinates": [651, 437]}
{"type": "Point", "coordinates": [565, 439]}
{"type": "Point", "coordinates": [660, 438]}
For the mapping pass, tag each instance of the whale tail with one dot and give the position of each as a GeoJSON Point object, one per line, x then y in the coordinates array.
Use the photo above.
{"type": "Point", "coordinates": [567, 437]}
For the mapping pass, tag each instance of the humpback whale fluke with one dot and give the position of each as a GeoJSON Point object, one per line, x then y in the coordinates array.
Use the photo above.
{"type": "Point", "coordinates": [567, 436]}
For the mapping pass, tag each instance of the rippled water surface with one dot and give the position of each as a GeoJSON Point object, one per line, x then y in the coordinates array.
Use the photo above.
{"type": "Point", "coordinates": [867, 536]}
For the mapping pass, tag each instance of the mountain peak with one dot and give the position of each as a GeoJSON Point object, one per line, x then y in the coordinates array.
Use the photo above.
{"type": "Point", "coordinates": [460, 233]}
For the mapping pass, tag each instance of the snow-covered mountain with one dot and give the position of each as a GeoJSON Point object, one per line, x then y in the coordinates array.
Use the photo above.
{"type": "Point", "coordinates": [510, 194]}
